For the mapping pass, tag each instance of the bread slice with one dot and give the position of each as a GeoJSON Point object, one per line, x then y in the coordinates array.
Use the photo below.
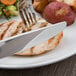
{"type": "Point", "coordinates": [11, 30]}
{"type": "Point", "coordinates": [4, 27]}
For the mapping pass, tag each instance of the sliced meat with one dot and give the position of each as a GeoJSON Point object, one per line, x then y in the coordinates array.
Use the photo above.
{"type": "Point", "coordinates": [40, 24]}
{"type": "Point", "coordinates": [4, 27]}
{"type": "Point", "coordinates": [43, 47]}
{"type": "Point", "coordinates": [11, 30]}
{"type": "Point", "coordinates": [19, 31]}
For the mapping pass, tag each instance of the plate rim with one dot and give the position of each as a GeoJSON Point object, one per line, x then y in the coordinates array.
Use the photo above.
{"type": "Point", "coordinates": [44, 63]}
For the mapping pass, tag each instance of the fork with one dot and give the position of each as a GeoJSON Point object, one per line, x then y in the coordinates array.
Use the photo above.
{"type": "Point", "coordinates": [28, 15]}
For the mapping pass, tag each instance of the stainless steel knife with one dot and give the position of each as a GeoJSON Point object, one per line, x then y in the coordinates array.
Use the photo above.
{"type": "Point", "coordinates": [29, 39]}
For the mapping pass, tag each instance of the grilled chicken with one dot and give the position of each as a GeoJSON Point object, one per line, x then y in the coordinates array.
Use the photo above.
{"type": "Point", "coordinates": [4, 27]}
{"type": "Point", "coordinates": [12, 29]}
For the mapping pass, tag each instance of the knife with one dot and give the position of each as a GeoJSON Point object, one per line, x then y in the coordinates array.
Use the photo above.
{"type": "Point", "coordinates": [46, 34]}
{"type": "Point", "coordinates": [29, 39]}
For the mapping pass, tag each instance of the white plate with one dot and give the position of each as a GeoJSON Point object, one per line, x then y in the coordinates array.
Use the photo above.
{"type": "Point", "coordinates": [66, 48]}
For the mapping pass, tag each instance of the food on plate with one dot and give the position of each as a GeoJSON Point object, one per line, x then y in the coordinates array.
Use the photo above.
{"type": "Point", "coordinates": [39, 5]}
{"type": "Point", "coordinates": [56, 12]}
{"type": "Point", "coordinates": [59, 0]}
{"type": "Point", "coordinates": [71, 3]}
{"type": "Point", "coordinates": [1, 7]}
{"type": "Point", "coordinates": [12, 28]}
{"type": "Point", "coordinates": [4, 27]}
{"type": "Point", "coordinates": [43, 47]}
{"type": "Point", "coordinates": [9, 8]}
{"type": "Point", "coordinates": [8, 2]}
{"type": "Point", "coordinates": [10, 11]}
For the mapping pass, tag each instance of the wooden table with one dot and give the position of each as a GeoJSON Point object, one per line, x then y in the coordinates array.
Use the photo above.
{"type": "Point", "coordinates": [63, 68]}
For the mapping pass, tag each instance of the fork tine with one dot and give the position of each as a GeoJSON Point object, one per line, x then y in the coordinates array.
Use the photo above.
{"type": "Point", "coordinates": [34, 15]}
{"type": "Point", "coordinates": [22, 17]}
{"type": "Point", "coordinates": [25, 20]}
{"type": "Point", "coordinates": [25, 27]}
{"type": "Point", "coordinates": [30, 16]}
{"type": "Point", "coordinates": [27, 16]}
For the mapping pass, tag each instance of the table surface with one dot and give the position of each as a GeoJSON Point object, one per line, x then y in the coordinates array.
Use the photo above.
{"type": "Point", "coordinates": [63, 68]}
